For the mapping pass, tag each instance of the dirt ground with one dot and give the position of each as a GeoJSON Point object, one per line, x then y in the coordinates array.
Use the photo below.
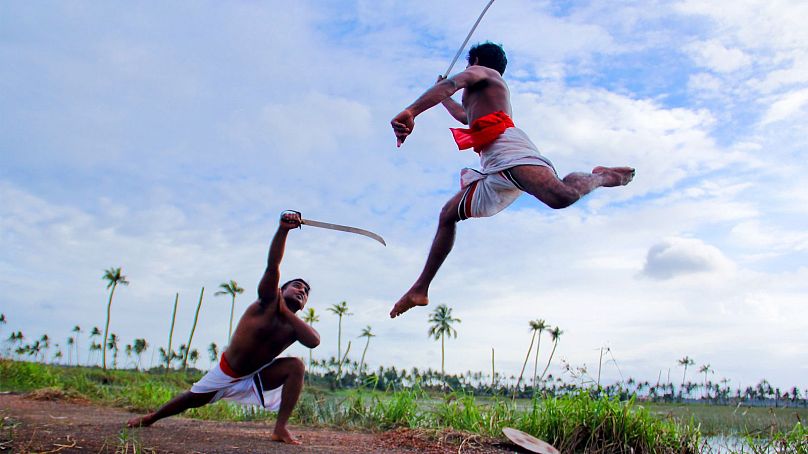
{"type": "Point", "coordinates": [37, 424]}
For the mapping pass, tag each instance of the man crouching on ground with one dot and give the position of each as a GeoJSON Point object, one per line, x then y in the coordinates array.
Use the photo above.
{"type": "Point", "coordinates": [250, 371]}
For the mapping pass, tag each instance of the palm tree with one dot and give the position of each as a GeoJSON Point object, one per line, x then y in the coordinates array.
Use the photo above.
{"type": "Point", "coordinates": [95, 332]}
{"type": "Point", "coordinates": [70, 343]}
{"type": "Point", "coordinates": [128, 350]}
{"type": "Point", "coordinates": [705, 369]}
{"type": "Point", "coordinates": [193, 328]}
{"type": "Point", "coordinates": [113, 277]}
{"type": "Point", "coordinates": [45, 340]}
{"type": "Point", "coordinates": [311, 318]}
{"type": "Point", "coordinates": [555, 334]}
{"type": "Point", "coordinates": [139, 347]}
{"type": "Point", "coordinates": [686, 361]}
{"type": "Point", "coordinates": [442, 320]}
{"type": "Point", "coordinates": [341, 310]}
{"type": "Point", "coordinates": [537, 325]}
{"type": "Point", "coordinates": [230, 288]}
{"type": "Point", "coordinates": [213, 351]}
{"type": "Point", "coordinates": [169, 352]}
{"type": "Point", "coordinates": [365, 333]}
{"type": "Point", "coordinates": [112, 344]}
{"type": "Point", "coordinates": [77, 331]}
{"type": "Point", "coordinates": [193, 357]}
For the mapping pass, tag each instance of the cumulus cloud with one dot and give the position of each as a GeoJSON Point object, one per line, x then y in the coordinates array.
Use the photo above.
{"type": "Point", "coordinates": [682, 256]}
{"type": "Point", "coordinates": [717, 57]}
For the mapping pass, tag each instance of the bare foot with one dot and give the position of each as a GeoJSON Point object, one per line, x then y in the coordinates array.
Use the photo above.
{"type": "Point", "coordinates": [615, 176]}
{"type": "Point", "coordinates": [407, 302]}
{"type": "Point", "coordinates": [143, 421]}
{"type": "Point", "coordinates": [283, 436]}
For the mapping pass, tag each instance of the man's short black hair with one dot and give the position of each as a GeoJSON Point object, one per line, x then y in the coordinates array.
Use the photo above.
{"type": "Point", "coordinates": [489, 55]}
{"type": "Point", "coordinates": [297, 279]}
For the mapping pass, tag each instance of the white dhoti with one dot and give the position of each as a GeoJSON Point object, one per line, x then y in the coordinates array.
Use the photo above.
{"type": "Point", "coordinates": [247, 390]}
{"type": "Point", "coordinates": [491, 189]}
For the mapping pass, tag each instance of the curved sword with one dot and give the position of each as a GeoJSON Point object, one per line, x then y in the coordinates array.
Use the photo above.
{"type": "Point", "coordinates": [341, 228]}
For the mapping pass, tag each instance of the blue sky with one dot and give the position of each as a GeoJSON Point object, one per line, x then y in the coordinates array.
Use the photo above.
{"type": "Point", "coordinates": [166, 139]}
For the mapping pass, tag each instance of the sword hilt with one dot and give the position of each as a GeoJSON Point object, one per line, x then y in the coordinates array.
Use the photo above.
{"type": "Point", "coordinates": [299, 224]}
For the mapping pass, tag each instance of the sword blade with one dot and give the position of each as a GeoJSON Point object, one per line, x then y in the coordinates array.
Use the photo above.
{"type": "Point", "coordinates": [343, 228]}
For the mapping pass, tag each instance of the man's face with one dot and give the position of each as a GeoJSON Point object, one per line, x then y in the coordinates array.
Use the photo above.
{"type": "Point", "coordinates": [296, 294]}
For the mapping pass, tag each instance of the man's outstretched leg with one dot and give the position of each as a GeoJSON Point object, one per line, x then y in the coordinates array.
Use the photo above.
{"type": "Point", "coordinates": [175, 406]}
{"type": "Point", "coordinates": [542, 183]}
{"type": "Point", "coordinates": [417, 295]}
{"type": "Point", "coordinates": [289, 373]}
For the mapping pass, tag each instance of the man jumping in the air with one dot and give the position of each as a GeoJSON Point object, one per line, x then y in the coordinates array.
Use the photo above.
{"type": "Point", "coordinates": [511, 163]}
{"type": "Point", "coordinates": [250, 371]}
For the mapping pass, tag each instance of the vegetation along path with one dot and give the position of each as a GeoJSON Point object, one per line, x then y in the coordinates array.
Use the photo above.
{"type": "Point", "coordinates": [41, 423]}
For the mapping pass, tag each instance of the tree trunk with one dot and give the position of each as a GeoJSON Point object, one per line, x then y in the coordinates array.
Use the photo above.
{"type": "Point", "coordinates": [536, 363]}
{"type": "Point", "coordinates": [362, 361]}
{"type": "Point", "coordinates": [171, 332]}
{"type": "Point", "coordinates": [193, 328]}
{"type": "Point", "coordinates": [232, 308]}
{"type": "Point", "coordinates": [106, 328]}
{"type": "Point", "coordinates": [519, 380]}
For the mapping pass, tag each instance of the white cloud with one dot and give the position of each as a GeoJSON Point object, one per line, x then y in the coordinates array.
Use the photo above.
{"type": "Point", "coordinates": [717, 57]}
{"type": "Point", "coordinates": [786, 106]}
{"type": "Point", "coordinates": [682, 256]}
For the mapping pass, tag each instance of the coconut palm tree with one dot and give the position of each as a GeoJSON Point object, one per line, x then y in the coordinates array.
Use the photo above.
{"type": "Point", "coordinates": [15, 339]}
{"type": "Point", "coordinates": [311, 318]}
{"type": "Point", "coordinates": [168, 353]}
{"type": "Point", "coordinates": [70, 343]}
{"type": "Point", "coordinates": [367, 334]}
{"type": "Point", "coordinates": [114, 278]}
{"type": "Point", "coordinates": [112, 344]}
{"type": "Point", "coordinates": [537, 325]}
{"type": "Point", "coordinates": [139, 346]}
{"type": "Point", "coordinates": [193, 328]}
{"type": "Point", "coordinates": [442, 321]}
{"type": "Point", "coordinates": [686, 361]}
{"type": "Point", "coordinates": [95, 332]}
{"type": "Point", "coordinates": [193, 357]}
{"type": "Point", "coordinates": [705, 369]}
{"type": "Point", "coordinates": [57, 357]}
{"type": "Point", "coordinates": [45, 341]}
{"type": "Point", "coordinates": [230, 288]}
{"type": "Point", "coordinates": [340, 310]}
{"type": "Point", "coordinates": [213, 352]}
{"type": "Point", "coordinates": [76, 331]}
{"type": "Point", "coordinates": [555, 334]}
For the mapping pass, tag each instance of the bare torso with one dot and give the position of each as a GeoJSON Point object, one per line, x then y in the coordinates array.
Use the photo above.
{"type": "Point", "coordinates": [261, 335]}
{"type": "Point", "coordinates": [488, 93]}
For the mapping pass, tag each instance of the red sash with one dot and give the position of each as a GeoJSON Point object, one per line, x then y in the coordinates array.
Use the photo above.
{"type": "Point", "coordinates": [225, 366]}
{"type": "Point", "coordinates": [483, 131]}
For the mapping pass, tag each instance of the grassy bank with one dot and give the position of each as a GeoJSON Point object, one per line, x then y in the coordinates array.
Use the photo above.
{"type": "Point", "coordinates": [576, 422]}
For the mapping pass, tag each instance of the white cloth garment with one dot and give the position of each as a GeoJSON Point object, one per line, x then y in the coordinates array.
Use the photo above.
{"type": "Point", "coordinates": [247, 390]}
{"type": "Point", "coordinates": [491, 189]}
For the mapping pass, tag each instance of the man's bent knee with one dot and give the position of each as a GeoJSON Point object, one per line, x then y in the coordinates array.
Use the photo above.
{"type": "Point", "coordinates": [448, 214]}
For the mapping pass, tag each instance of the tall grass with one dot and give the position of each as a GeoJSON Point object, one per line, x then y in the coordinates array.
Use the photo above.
{"type": "Point", "coordinates": [578, 422]}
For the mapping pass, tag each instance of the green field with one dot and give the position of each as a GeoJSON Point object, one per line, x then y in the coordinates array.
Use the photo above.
{"type": "Point", "coordinates": [575, 422]}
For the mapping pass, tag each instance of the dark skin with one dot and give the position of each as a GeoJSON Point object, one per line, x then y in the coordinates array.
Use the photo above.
{"type": "Point", "coordinates": [267, 328]}
{"type": "Point", "coordinates": [485, 92]}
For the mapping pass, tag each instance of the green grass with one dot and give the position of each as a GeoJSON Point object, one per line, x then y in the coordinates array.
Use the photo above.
{"type": "Point", "coordinates": [573, 423]}
{"type": "Point", "coordinates": [718, 419]}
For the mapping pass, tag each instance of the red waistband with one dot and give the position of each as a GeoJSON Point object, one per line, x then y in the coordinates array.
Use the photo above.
{"type": "Point", "coordinates": [225, 367]}
{"type": "Point", "coordinates": [483, 131]}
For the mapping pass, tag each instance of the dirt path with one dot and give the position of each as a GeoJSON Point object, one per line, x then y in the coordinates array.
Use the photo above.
{"type": "Point", "coordinates": [50, 426]}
